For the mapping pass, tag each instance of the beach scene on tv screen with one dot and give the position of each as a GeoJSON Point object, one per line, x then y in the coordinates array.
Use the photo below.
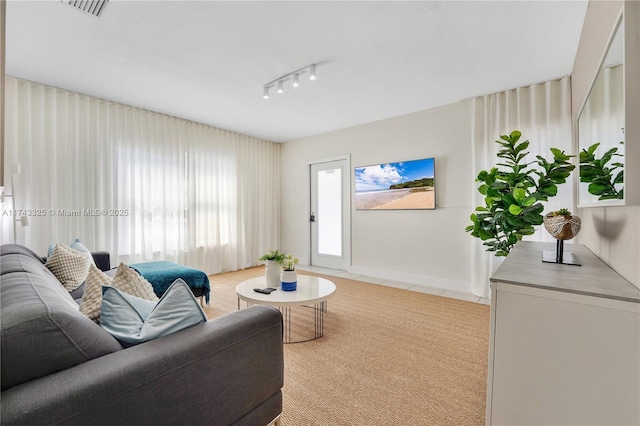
{"type": "Point", "coordinates": [396, 186]}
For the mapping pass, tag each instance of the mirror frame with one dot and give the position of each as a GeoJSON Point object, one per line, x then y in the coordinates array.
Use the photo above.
{"type": "Point", "coordinates": [631, 84]}
{"type": "Point", "coordinates": [618, 37]}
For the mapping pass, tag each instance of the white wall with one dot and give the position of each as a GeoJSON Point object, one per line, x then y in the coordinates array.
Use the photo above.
{"type": "Point", "coordinates": [612, 233]}
{"type": "Point", "coordinates": [420, 246]}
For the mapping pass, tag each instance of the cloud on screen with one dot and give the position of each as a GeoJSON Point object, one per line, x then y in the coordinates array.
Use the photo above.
{"type": "Point", "coordinates": [377, 177]}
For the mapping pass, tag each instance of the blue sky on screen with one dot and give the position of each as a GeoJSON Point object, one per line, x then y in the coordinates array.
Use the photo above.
{"type": "Point", "coordinates": [381, 176]}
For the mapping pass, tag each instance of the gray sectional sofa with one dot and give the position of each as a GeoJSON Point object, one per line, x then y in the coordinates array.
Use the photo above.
{"type": "Point", "coordinates": [59, 367]}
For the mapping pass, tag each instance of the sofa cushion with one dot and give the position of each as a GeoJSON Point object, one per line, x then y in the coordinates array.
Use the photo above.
{"type": "Point", "coordinates": [125, 279]}
{"type": "Point", "coordinates": [18, 249]}
{"type": "Point", "coordinates": [26, 260]}
{"type": "Point", "coordinates": [69, 266]}
{"type": "Point", "coordinates": [41, 326]}
{"type": "Point", "coordinates": [133, 320]}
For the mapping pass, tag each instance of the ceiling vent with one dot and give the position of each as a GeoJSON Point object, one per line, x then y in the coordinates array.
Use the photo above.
{"type": "Point", "coordinates": [91, 7]}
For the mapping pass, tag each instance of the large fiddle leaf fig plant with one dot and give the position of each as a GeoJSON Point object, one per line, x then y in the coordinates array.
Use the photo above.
{"type": "Point", "coordinates": [513, 193]}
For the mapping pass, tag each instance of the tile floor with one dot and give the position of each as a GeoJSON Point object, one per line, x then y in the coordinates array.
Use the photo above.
{"type": "Point", "coordinates": [461, 295]}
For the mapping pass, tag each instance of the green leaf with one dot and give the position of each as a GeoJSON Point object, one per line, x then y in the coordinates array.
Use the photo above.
{"type": "Point", "coordinates": [533, 218]}
{"type": "Point", "coordinates": [515, 209]}
{"type": "Point", "coordinates": [619, 177]}
{"type": "Point", "coordinates": [597, 188]}
{"type": "Point", "coordinates": [484, 235]}
{"type": "Point", "coordinates": [550, 190]}
{"type": "Point", "coordinates": [508, 199]}
{"type": "Point", "coordinates": [519, 195]}
{"type": "Point", "coordinates": [528, 231]}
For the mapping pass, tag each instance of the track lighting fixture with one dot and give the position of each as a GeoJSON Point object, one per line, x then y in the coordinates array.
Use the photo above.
{"type": "Point", "coordinates": [278, 83]}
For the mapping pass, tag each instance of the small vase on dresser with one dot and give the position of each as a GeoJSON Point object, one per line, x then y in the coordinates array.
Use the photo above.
{"type": "Point", "coordinates": [562, 226]}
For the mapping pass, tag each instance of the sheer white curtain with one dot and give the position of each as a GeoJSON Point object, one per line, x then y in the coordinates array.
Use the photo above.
{"type": "Point", "coordinates": [542, 112]}
{"type": "Point", "coordinates": [141, 185]}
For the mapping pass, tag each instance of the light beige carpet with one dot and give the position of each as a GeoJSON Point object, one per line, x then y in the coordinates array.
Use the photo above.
{"type": "Point", "coordinates": [388, 357]}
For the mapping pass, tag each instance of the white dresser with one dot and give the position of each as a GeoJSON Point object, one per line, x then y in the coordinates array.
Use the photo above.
{"type": "Point", "coordinates": [564, 342]}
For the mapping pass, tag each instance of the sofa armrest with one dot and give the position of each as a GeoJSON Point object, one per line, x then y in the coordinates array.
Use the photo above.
{"type": "Point", "coordinates": [225, 371]}
{"type": "Point", "coordinates": [102, 260]}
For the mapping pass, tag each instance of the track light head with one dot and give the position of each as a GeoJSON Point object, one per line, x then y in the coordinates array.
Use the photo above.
{"type": "Point", "coordinates": [280, 88]}
{"type": "Point", "coordinates": [295, 80]}
{"type": "Point", "coordinates": [266, 93]}
{"type": "Point", "coordinates": [312, 72]}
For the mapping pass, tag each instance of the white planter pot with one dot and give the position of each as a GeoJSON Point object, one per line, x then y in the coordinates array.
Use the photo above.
{"type": "Point", "coordinates": [272, 273]}
{"type": "Point", "coordinates": [289, 280]}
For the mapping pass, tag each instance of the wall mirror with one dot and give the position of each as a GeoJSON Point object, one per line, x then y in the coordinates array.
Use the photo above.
{"type": "Point", "coordinates": [601, 131]}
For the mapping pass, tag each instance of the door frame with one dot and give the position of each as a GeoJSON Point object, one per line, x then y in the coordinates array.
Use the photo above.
{"type": "Point", "coordinates": [346, 232]}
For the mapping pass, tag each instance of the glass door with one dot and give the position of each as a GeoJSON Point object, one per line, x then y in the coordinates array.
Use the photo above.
{"type": "Point", "coordinates": [330, 214]}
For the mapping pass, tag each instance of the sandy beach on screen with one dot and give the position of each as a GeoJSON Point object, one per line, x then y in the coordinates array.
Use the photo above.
{"type": "Point", "coordinates": [413, 200]}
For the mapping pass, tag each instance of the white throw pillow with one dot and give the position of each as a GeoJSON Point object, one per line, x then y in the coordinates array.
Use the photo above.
{"type": "Point", "coordinates": [69, 266]}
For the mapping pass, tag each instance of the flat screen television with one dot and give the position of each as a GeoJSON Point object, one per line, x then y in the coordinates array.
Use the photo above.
{"type": "Point", "coordinates": [405, 185]}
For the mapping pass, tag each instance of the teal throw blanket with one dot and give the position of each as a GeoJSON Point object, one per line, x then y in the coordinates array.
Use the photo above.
{"type": "Point", "coordinates": [162, 274]}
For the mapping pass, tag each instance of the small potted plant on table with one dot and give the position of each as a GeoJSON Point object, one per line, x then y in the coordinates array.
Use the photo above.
{"type": "Point", "coordinates": [274, 259]}
{"type": "Point", "coordinates": [289, 277]}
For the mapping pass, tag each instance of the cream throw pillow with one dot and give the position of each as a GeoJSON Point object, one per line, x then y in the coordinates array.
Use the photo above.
{"type": "Point", "coordinates": [125, 279]}
{"type": "Point", "coordinates": [69, 266]}
{"type": "Point", "coordinates": [92, 296]}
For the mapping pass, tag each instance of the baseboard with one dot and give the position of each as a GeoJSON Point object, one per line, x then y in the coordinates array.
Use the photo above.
{"type": "Point", "coordinates": [416, 279]}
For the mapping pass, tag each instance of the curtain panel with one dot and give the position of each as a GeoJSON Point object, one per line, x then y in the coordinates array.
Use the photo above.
{"type": "Point", "coordinates": [143, 186]}
{"type": "Point", "coordinates": [542, 112]}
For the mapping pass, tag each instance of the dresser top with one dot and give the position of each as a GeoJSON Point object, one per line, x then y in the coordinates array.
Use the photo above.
{"type": "Point", "coordinates": [524, 267]}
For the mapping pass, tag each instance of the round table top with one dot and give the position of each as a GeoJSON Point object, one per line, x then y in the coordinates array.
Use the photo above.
{"type": "Point", "coordinates": [310, 290]}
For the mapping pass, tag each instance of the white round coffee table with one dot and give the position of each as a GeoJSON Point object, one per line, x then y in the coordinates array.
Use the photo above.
{"type": "Point", "coordinates": [311, 291]}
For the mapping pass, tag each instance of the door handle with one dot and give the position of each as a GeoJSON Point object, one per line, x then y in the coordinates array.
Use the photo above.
{"type": "Point", "coordinates": [312, 218]}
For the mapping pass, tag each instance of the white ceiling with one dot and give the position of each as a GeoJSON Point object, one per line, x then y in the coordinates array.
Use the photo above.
{"type": "Point", "coordinates": [207, 61]}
